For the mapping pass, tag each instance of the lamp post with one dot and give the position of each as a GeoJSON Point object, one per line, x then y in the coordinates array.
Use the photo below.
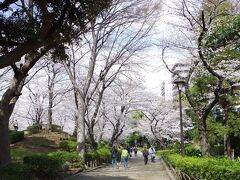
{"type": "Point", "coordinates": [180, 83]}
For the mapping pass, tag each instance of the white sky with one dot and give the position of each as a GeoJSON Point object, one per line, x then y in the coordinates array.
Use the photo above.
{"type": "Point", "coordinates": [157, 73]}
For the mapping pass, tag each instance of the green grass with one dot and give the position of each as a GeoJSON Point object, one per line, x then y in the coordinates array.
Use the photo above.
{"type": "Point", "coordinates": [18, 153]}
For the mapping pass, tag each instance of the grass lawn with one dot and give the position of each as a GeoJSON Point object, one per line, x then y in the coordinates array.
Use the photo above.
{"type": "Point", "coordinates": [36, 144]}
{"type": "Point", "coordinates": [18, 153]}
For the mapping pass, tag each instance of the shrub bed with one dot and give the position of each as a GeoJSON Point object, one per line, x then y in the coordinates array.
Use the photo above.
{"type": "Point", "coordinates": [16, 171]}
{"type": "Point", "coordinates": [35, 128]}
{"type": "Point", "coordinates": [43, 166]}
{"type": "Point", "coordinates": [205, 168]}
{"type": "Point", "coordinates": [73, 158]}
{"type": "Point", "coordinates": [101, 155]}
{"type": "Point", "coordinates": [193, 151]}
{"type": "Point", "coordinates": [164, 153]}
{"type": "Point", "coordinates": [68, 145]}
{"type": "Point", "coordinates": [16, 136]}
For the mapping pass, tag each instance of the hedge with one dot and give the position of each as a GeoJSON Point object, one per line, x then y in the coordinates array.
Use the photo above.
{"type": "Point", "coordinates": [16, 171]}
{"type": "Point", "coordinates": [101, 155]}
{"type": "Point", "coordinates": [73, 158]}
{"type": "Point", "coordinates": [33, 129]}
{"type": "Point", "coordinates": [205, 168]}
{"type": "Point", "coordinates": [15, 136]}
{"type": "Point", "coordinates": [43, 166]}
{"type": "Point", "coordinates": [68, 145]}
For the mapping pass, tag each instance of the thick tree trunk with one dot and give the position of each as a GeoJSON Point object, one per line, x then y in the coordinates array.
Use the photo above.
{"type": "Point", "coordinates": [93, 121]}
{"type": "Point", "coordinates": [228, 151]}
{"type": "Point", "coordinates": [5, 157]}
{"type": "Point", "coordinates": [9, 99]}
{"type": "Point", "coordinates": [81, 127]}
{"type": "Point", "coordinates": [7, 105]}
{"type": "Point", "coordinates": [203, 138]}
{"type": "Point", "coordinates": [93, 143]}
{"type": "Point", "coordinates": [118, 131]}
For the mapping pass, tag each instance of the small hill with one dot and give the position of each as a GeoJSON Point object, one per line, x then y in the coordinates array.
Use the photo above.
{"type": "Point", "coordinates": [39, 143]}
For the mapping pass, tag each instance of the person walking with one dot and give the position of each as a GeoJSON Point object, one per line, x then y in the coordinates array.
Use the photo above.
{"type": "Point", "coordinates": [152, 153]}
{"type": "Point", "coordinates": [129, 151]}
{"type": "Point", "coordinates": [135, 151]}
{"type": "Point", "coordinates": [114, 156]}
{"type": "Point", "coordinates": [124, 157]}
{"type": "Point", "coordinates": [145, 155]}
{"type": "Point", "coordinates": [15, 125]}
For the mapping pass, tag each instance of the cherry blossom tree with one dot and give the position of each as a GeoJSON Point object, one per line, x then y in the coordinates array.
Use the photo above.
{"type": "Point", "coordinates": [108, 50]}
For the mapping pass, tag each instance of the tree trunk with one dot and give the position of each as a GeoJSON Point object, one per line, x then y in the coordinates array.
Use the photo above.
{"type": "Point", "coordinates": [203, 138]}
{"type": "Point", "coordinates": [5, 157]}
{"type": "Point", "coordinates": [117, 132]}
{"type": "Point", "coordinates": [227, 140]}
{"type": "Point", "coordinates": [81, 127]}
{"type": "Point", "coordinates": [102, 132]}
{"type": "Point", "coordinates": [50, 106]}
{"type": "Point", "coordinates": [7, 105]}
{"type": "Point", "coordinates": [91, 138]}
{"type": "Point", "coordinates": [228, 151]}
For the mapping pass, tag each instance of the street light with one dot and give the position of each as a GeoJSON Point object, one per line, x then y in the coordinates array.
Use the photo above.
{"type": "Point", "coordinates": [180, 83]}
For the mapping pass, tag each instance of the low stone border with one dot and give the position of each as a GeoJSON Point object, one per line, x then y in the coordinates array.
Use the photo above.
{"type": "Point", "coordinates": [175, 174]}
{"type": "Point", "coordinates": [170, 172]}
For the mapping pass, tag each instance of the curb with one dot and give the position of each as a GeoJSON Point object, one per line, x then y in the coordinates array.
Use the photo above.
{"type": "Point", "coordinates": [169, 172]}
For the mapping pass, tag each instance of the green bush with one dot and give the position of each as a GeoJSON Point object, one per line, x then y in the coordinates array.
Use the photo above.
{"type": "Point", "coordinates": [16, 136]}
{"type": "Point", "coordinates": [16, 172]}
{"type": "Point", "coordinates": [73, 158]}
{"type": "Point", "coordinates": [102, 155]}
{"type": "Point", "coordinates": [68, 145]}
{"type": "Point", "coordinates": [72, 139]}
{"type": "Point", "coordinates": [163, 153]}
{"type": "Point", "coordinates": [193, 151]}
{"type": "Point", "coordinates": [217, 150]}
{"type": "Point", "coordinates": [56, 128]}
{"type": "Point", "coordinates": [205, 168]}
{"type": "Point", "coordinates": [35, 128]}
{"type": "Point", "coordinates": [43, 166]}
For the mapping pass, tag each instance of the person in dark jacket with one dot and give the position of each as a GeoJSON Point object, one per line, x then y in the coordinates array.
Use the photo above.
{"type": "Point", "coordinates": [145, 155]}
{"type": "Point", "coordinates": [114, 156]}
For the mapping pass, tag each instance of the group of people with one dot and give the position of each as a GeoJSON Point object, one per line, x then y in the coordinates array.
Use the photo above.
{"type": "Point", "coordinates": [146, 152]}
{"type": "Point", "coordinates": [127, 153]}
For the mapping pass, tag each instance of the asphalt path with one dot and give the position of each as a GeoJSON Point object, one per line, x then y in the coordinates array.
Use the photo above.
{"type": "Point", "coordinates": [136, 171]}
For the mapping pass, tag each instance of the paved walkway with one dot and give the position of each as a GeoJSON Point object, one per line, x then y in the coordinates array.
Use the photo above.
{"type": "Point", "coordinates": [136, 171]}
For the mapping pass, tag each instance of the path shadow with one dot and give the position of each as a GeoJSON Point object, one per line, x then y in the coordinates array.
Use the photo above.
{"type": "Point", "coordinates": [100, 177]}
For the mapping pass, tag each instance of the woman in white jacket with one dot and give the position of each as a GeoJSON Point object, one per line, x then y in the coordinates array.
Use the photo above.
{"type": "Point", "coordinates": [152, 153]}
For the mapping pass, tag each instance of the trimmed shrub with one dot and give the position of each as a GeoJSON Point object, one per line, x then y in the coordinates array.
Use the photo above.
{"type": "Point", "coordinates": [43, 166]}
{"type": "Point", "coordinates": [16, 172]}
{"type": "Point", "coordinates": [163, 153]}
{"type": "Point", "coordinates": [68, 145]}
{"type": "Point", "coordinates": [192, 151]}
{"type": "Point", "coordinates": [104, 154]}
{"type": "Point", "coordinates": [35, 128]}
{"type": "Point", "coordinates": [101, 155]}
{"type": "Point", "coordinates": [205, 168]}
{"type": "Point", "coordinates": [16, 136]}
{"type": "Point", "coordinates": [73, 158]}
